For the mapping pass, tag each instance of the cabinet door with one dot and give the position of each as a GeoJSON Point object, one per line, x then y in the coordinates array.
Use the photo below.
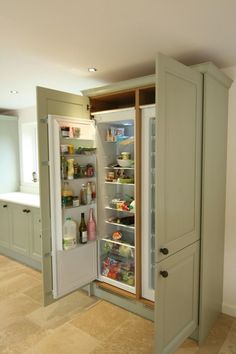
{"type": "Point", "coordinates": [21, 229]}
{"type": "Point", "coordinates": [35, 237]}
{"type": "Point", "coordinates": [178, 149]}
{"type": "Point", "coordinates": [177, 298]}
{"type": "Point", "coordinates": [178, 191]}
{"type": "Point", "coordinates": [58, 103]}
{"type": "Point", "coordinates": [5, 236]}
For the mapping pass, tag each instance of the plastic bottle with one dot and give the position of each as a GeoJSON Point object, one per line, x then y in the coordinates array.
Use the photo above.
{"type": "Point", "coordinates": [91, 226]}
{"type": "Point", "coordinates": [83, 236]}
{"type": "Point", "coordinates": [69, 234]}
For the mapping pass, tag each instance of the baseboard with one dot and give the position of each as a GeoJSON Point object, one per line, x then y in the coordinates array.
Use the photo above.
{"type": "Point", "coordinates": [229, 310]}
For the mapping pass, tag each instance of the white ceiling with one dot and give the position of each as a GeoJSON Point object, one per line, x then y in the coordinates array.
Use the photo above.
{"type": "Point", "coordinates": [51, 43]}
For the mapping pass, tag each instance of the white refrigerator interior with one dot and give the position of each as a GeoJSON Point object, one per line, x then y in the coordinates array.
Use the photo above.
{"type": "Point", "coordinates": [148, 201]}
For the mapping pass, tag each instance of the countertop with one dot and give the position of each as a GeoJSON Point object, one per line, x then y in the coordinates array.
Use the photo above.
{"type": "Point", "coordinates": [21, 198]}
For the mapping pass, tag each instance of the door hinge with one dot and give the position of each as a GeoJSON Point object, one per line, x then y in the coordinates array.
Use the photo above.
{"type": "Point", "coordinates": [44, 120]}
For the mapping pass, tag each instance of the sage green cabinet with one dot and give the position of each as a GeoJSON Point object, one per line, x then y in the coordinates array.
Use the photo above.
{"type": "Point", "coordinates": [20, 234]}
{"type": "Point", "coordinates": [5, 230]}
{"type": "Point", "coordinates": [178, 278]}
{"type": "Point", "coordinates": [21, 229]}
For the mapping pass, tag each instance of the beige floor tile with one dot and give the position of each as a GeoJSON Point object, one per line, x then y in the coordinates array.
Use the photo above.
{"type": "Point", "coordinates": [35, 293]}
{"type": "Point", "coordinates": [134, 336]}
{"type": "Point", "coordinates": [19, 336]}
{"type": "Point", "coordinates": [15, 285]}
{"type": "Point", "coordinates": [62, 310]}
{"type": "Point", "coordinates": [15, 308]}
{"type": "Point", "coordinates": [101, 320]}
{"type": "Point", "coordinates": [63, 340]}
{"type": "Point", "coordinates": [229, 346]}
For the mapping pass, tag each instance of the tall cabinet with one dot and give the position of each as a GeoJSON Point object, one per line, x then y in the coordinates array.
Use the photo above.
{"type": "Point", "coordinates": [179, 216]}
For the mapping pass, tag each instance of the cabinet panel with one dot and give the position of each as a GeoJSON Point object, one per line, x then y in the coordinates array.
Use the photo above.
{"type": "Point", "coordinates": [178, 163]}
{"type": "Point", "coordinates": [5, 231]}
{"type": "Point", "coordinates": [177, 298]}
{"type": "Point", "coordinates": [21, 229]}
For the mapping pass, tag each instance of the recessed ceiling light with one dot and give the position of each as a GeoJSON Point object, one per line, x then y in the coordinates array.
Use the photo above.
{"type": "Point", "coordinates": [92, 70]}
{"type": "Point", "coordinates": [14, 92]}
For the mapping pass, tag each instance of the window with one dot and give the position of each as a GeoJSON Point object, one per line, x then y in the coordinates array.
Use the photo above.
{"type": "Point", "coordinates": [29, 156]}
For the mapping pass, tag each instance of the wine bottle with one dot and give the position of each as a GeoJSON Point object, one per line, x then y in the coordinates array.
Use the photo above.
{"type": "Point", "coordinates": [91, 226]}
{"type": "Point", "coordinates": [83, 237]}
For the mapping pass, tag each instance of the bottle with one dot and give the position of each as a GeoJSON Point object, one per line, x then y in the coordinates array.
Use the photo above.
{"type": "Point", "coordinates": [69, 234]}
{"type": "Point", "coordinates": [83, 195]}
{"type": "Point", "coordinates": [83, 236]}
{"type": "Point", "coordinates": [70, 172]}
{"type": "Point", "coordinates": [63, 167]}
{"type": "Point", "coordinates": [93, 191]}
{"type": "Point", "coordinates": [89, 193]}
{"type": "Point", "coordinates": [91, 226]}
{"type": "Point", "coordinates": [67, 195]}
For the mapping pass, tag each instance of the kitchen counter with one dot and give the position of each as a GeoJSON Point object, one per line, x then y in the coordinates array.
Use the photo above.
{"type": "Point", "coordinates": [21, 198]}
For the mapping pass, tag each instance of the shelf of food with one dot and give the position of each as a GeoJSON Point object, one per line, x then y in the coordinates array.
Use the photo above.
{"type": "Point", "coordinates": [118, 242]}
{"type": "Point", "coordinates": [120, 210]}
{"type": "Point", "coordinates": [118, 262]}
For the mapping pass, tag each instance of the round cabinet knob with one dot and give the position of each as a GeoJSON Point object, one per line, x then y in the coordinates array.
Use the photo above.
{"type": "Point", "coordinates": [164, 273]}
{"type": "Point", "coordinates": [4, 206]}
{"type": "Point", "coordinates": [24, 210]}
{"type": "Point", "coordinates": [27, 211]}
{"type": "Point", "coordinates": [164, 251]}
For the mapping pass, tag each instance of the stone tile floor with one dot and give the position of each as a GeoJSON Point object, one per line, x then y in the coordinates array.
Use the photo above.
{"type": "Point", "coordinates": [78, 324]}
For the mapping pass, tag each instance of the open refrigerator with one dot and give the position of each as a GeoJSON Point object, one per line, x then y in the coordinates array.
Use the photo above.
{"type": "Point", "coordinates": [94, 147]}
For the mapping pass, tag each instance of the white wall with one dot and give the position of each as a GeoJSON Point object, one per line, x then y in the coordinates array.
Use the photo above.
{"type": "Point", "coordinates": [229, 298]}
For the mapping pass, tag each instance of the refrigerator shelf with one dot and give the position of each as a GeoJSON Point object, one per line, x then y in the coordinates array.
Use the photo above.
{"type": "Point", "coordinates": [131, 227]}
{"type": "Point", "coordinates": [122, 211]}
{"type": "Point", "coordinates": [119, 242]}
{"type": "Point", "coordinates": [117, 284]}
{"type": "Point", "coordinates": [121, 184]}
{"type": "Point", "coordinates": [118, 168]}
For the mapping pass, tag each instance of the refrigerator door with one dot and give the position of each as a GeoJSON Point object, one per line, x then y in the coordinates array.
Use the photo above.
{"type": "Point", "coordinates": [75, 267]}
{"type": "Point", "coordinates": [178, 191]}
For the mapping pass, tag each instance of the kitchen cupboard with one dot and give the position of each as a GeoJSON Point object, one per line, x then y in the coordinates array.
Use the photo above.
{"type": "Point", "coordinates": [184, 151]}
{"type": "Point", "coordinates": [20, 236]}
{"type": "Point", "coordinates": [5, 225]}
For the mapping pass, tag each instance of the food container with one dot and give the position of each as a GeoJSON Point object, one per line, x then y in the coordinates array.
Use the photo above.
{"type": "Point", "coordinates": [64, 149]}
{"type": "Point", "coordinates": [71, 149]}
{"type": "Point", "coordinates": [125, 155]}
{"type": "Point", "coordinates": [75, 201]}
{"type": "Point", "coordinates": [65, 132]}
{"type": "Point", "coordinates": [124, 162]}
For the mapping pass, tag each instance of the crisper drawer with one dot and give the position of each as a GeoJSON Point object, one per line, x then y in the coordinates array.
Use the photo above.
{"type": "Point", "coordinates": [75, 268]}
{"type": "Point", "coordinates": [117, 264]}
